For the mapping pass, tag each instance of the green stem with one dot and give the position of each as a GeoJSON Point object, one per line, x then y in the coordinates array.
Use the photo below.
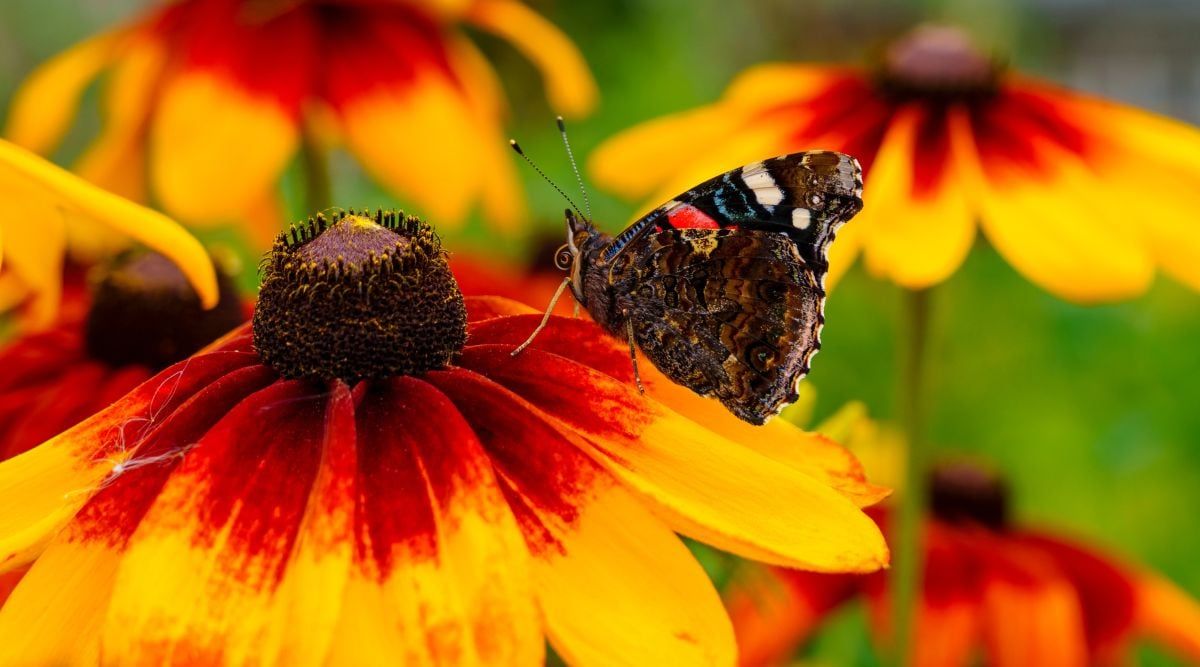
{"type": "Point", "coordinates": [906, 525]}
{"type": "Point", "coordinates": [315, 165]}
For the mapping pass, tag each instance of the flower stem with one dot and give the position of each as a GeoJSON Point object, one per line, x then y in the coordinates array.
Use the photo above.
{"type": "Point", "coordinates": [314, 162]}
{"type": "Point", "coordinates": [907, 554]}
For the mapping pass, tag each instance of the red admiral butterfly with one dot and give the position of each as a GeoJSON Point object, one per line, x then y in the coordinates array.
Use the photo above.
{"type": "Point", "coordinates": [722, 287]}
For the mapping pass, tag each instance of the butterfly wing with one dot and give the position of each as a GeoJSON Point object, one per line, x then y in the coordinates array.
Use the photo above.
{"type": "Point", "coordinates": [724, 285]}
{"type": "Point", "coordinates": [806, 196]}
{"type": "Point", "coordinates": [730, 313]}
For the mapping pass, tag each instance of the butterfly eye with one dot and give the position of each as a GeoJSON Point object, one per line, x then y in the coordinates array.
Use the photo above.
{"type": "Point", "coordinates": [563, 258]}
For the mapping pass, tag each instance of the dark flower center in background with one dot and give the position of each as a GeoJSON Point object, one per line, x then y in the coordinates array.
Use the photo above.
{"type": "Point", "coordinates": [962, 492]}
{"type": "Point", "coordinates": [144, 311]}
{"type": "Point", "coordinates": [359, 297]}
{"type": "Point", "coordinates": [935, 61]}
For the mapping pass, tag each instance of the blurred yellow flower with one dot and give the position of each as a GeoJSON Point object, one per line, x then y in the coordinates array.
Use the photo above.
{"type": "Point", "coordinates": [1083, 196]}
{"type": "Point", "coordinates": [41, 200]}
{"type": "Point", "coordinates": [209, 100]}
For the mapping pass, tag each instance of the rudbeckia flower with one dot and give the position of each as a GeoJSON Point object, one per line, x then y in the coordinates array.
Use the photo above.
{"type": "Point", "coordinates": [366, 475]}
{"type": "Point", "coordinates": [138, 316]}
{"type": "Point", "coordinates": [44, 203]}
{"type": "Point", "coordinates": [1008, 594]}
{"type": "Point", "coordinates": [1084, 197]}
{"type": "Point", "coordinates": [207, 96]}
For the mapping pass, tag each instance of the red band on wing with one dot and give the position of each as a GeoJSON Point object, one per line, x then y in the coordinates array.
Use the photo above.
{"type": "Point", "coordinates": [686, 216]}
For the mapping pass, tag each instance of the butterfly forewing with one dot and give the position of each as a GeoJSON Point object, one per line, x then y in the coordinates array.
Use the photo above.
{"type": "Point", "coordinates": [723, 285]}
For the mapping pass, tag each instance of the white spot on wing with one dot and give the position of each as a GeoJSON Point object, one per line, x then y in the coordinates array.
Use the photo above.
{"type": "Point", "coordinates": [801, 218]}
{"type": "Point", "coordinates": [756, 177]}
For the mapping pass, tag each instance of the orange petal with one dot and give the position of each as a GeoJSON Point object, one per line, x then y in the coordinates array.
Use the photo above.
{"type": "Point", "coordinates": [57, 190]}
{"type": "Point", "coordinates": [704, 485]}
{"type": "Point", "coordinates": [569, 83]}
{"type": "Point", "coordinates": [774, 611]}
{"type": "Point", "coordinates": [915, 225]}
{"type": "Point", "coordinates": [614, 585]}
{"type": "Point", "coordinates": [203, 119]}
{"type": "Point", "coordinates": [441, 571]}
{"type": "Point", "coordinates": [1031, 613]}
{"type": "Point", "coordinates": [1169, 615]}
{"type": "Point", "coordinates": [45, 104]}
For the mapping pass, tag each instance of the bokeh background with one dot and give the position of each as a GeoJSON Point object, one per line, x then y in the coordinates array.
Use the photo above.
{"type": "Point", "coordinates": [1093, 412]}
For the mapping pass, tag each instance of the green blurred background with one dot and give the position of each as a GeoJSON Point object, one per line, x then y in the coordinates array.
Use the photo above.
{"type": "Point", "coordinates": [1093, 412]}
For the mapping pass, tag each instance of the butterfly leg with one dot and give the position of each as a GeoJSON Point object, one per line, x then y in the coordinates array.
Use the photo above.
{"type": "Point", "coordinates": [633, 357]}
{"type": "Point", "coordinates": [545, 318]}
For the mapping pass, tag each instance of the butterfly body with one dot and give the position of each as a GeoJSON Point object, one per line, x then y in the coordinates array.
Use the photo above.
{"type": "Point", "coordinates": [722, 287]}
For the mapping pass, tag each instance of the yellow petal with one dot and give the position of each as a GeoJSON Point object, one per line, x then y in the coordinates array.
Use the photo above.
{"type": "Point", "coordinates": [640, 160]}
{"type": "Point", "coordinates": [811, 453]}
{"type": "Point", "coordinates": [45, 104]}
{"type": "Point", "coordinates": [569, 83]}
{"type": "Point", "coordinates": [769, 84]}
{"type": "Point", "coordinates": [54, 615]}
{"type": "Point", "coordinates": [913, 238]}
{"type": "Point", "coordinates": [59, 189]}
{"type": "Point", "coordinates": [216, 149]}
{"type": "Point", "coordinates": [1058, 228]}
{"type": "Point", "coordinates": [738, 500]}
{"type": "Point", "coordinates": [623, 590]}
{"type": "Point", "coordinates": [33, 242]}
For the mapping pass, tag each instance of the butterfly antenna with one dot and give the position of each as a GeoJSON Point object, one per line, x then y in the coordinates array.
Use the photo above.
{"type": "Point", "coordinates": [517, 147]}
{"type": "Point", "coordinates": [587, 205]}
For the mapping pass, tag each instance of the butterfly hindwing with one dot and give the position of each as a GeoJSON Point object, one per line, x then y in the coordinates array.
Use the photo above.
{"type": "Point", "coordinates": [731, 313]}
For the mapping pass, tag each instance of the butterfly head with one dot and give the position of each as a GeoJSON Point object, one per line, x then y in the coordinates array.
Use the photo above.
{"type": "Point", "coordinates": [577, 251]}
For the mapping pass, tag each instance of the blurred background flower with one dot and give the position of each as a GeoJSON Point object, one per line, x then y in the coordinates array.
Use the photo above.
{"type": "Point", "coordinates": [992, 589]}
{"type": "Point", "coordinates": [206, 102]}
{"type": "Point", "coordinates": [44, 205]}
{"type": "Point", "coordinates": [948, 139]}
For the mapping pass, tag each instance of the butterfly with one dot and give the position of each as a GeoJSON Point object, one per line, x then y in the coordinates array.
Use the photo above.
{"type": "Point", "coordinates": [722, 288]}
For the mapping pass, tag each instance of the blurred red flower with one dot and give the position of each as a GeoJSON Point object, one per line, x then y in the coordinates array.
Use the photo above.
{"type": "Point", "coordinates": [1083, 196]}
{"type": "Point", "coordinates": [1015, 595]}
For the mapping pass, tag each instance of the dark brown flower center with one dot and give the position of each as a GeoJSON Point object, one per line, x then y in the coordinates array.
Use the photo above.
{"type": "Point", "coordinates": [359, 297]}
{"type": "Point", "coordinates": [963, 492]}
{"type": "Point", "coordinates": [932, 61]}
{"type": "Point", "coordinates": [144, 311]}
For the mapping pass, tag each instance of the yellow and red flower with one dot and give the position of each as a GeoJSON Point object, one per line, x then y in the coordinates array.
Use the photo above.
{"type": "Point", "coordinates": [254, 504]}
{"type": "Point", "coordinates": [139, 316]}
{"type": "Point", "coordinates": [209, 100]}
{"type": "Point", "coordinates": [1014, 595]}
{"type": "Point", "coordinates": [45, 205]}
{"type": "Point", "coordinates": [1083, 196]}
